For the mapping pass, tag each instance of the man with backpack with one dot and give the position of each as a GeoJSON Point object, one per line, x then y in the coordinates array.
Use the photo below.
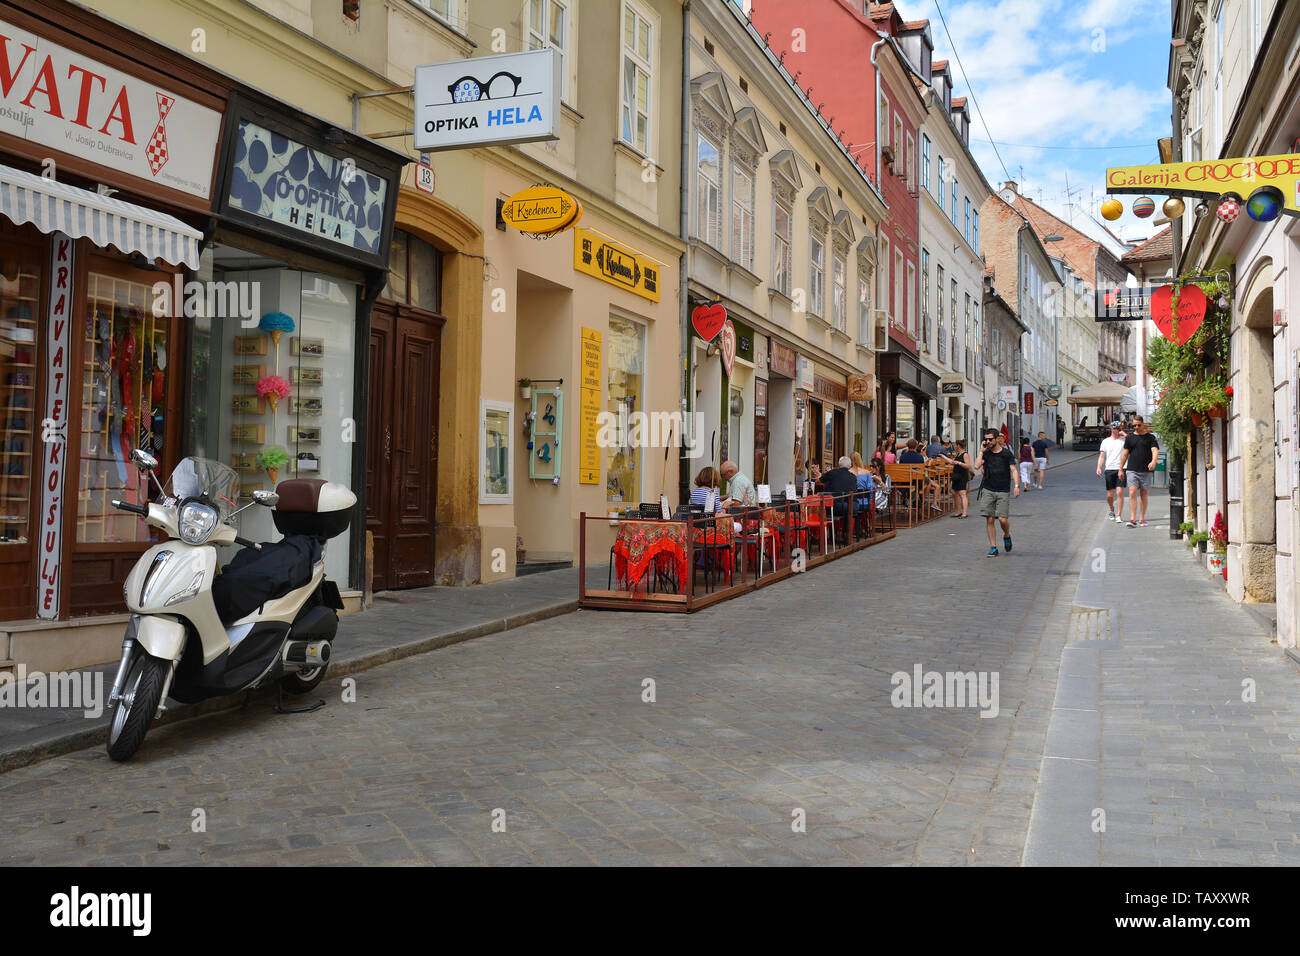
{"type": "Point", "coordinates": [1001, 483]}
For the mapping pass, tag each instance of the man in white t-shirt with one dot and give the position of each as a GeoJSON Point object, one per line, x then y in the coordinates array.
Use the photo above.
{"type": "Point", "coordinates": [1112, 451]}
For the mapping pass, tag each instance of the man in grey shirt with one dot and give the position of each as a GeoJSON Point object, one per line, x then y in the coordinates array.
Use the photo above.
{"type": "Point", "coordinates": [740, 490]}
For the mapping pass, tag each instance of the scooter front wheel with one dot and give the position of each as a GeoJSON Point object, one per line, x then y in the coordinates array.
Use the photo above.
{"type": "Point", "coordinates": [135, 709]}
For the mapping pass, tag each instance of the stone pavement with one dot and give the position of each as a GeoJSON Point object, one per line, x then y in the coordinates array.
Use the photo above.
{"type": "Point", "coordinates": [1174, 715]}
{"type": "Point", "coordinates": [767, 710]}
{"type": "Point", "coordinates": [400, 623]}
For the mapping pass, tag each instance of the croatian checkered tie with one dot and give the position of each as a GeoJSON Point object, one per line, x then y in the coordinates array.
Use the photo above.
{"type": "Point", "coordinates": [156, 148]}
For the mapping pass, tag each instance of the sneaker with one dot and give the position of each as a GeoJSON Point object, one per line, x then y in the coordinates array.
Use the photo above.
{"type": "Point", "coordinates": [1132, 524]}
{"type": "Point", "coordinates": [1006, 543]}
{"type": "Point", "coordinates": [993, 552]}
{"type": "Point", "coordinates": [1142, 523]}
{"type": "Point", "coordinates": [1111, 517]}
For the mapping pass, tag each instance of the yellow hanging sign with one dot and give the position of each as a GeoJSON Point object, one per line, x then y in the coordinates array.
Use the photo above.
{"type": "Point", "coordinates": [1212, 178]}
{"type": "Point", "coordinates": [615, 264]}
{"type": "Point", "coordinates": [541, 210]}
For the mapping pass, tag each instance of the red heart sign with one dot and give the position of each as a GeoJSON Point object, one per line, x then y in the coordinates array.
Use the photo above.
{"type": "Point", "coordinates": [1191, 311]}
{"type": "Point", "coordinates": [728, 347]}
{"type": "Point", "coordinates": [708, 319]}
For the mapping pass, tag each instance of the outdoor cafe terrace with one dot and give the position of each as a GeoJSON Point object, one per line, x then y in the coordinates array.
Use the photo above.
{"type": "Point", "coordinates": [692, 559]}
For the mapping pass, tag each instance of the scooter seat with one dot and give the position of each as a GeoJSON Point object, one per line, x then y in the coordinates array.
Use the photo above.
{"type": "Point", "coordinates": [254, 577]}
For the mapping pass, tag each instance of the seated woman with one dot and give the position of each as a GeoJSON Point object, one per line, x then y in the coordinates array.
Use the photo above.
{"type": "Point", "coordinates": [865, 482]}
{"type": "Point", "coordinates": [707, 480]}
{"type": "Point", "coordinates": [884, 486]}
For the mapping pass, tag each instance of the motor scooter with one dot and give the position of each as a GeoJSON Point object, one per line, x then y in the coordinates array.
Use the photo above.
{"type": "Point", "coordinates": [196, 632]}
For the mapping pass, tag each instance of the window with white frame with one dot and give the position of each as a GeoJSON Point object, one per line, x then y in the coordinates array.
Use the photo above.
{"type": "Point", "coordinates": [975, 231]}
{"type": "Point", "coordinates": [925, 280]}
{"type": "Point", "coordinates": [899, 317]}
{"type": "Point", "coordinates": [742, 217]}
{"type": "Point", "coordinates": [910, 162]}
{"type": "Point", "coordinates": [444, 10]}
{"type": "Point", "coordinates": [548, 28]}
{"type": "Point", "coordinates": [925, 160]}
{"type": "Point", "coordinates": [954, 198]}
{"type": "Point", "coordinates": [1196, 118]}
{"type": "Point", "coordinates": [952, 302]}
{"type": "Point", "coordinates": [939, 296]}
{"type": "Point", "coordinates": [864, 301]}
{"type": "Point", "coordinates": [942, 183]}
{"type": "Point", "coordinates": [898, 138]}
{"type": "Point", "coordinates": [839, 292]}
{"type": "Point", "coordinates": [910, 293]}
{"type": "Point", "coordinates": [638, 77]}
{"type": "Point", "coordinates": [496, 434]}
{"type": "Point", "coordinates": [781, 245]}
{"type": "Point", "coordinates": [708, 191]}
{"type": "Point", "coordinates": [884, 289]}
{"type": "Point", "coordinates": [816, 274]}
{"type": "Point", "coordinates": [941, 329]}
{"type": "Point", "coordinates": [966, 222]}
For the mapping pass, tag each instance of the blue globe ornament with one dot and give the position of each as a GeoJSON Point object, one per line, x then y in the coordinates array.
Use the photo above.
{"type": "Point", "coordinates": [1265, 204]}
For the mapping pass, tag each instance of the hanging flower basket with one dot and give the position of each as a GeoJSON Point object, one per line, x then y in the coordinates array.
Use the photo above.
{"type": "Point", "coordinates": [1198, 419]}
{"type": "Point", "coordinates": [1218, 411]}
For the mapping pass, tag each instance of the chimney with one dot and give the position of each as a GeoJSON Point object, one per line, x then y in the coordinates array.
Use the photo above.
{"type": "Point", "coordinates": [1010, 184]}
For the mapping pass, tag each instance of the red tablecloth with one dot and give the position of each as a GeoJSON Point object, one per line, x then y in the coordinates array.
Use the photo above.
{"type": "Point", "coordinates": [640, 544]}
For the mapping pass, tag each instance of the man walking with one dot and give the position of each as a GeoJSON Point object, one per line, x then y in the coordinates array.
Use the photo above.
{"type": "Point", "coordinates": [1138, 461]}
{"type": "Point", "coordinates": [998, 464]}
{"type": "Point", "coordinates": [1108, 462]}
{"type": "Point", "coordinates": [1060, 431]}
{"type": "Point", "coordinates": [1041, 458]}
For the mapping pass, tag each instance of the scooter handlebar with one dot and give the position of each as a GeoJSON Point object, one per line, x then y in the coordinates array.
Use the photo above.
{"type": "Point", "coordinates": [244, 542]}
{"type": "Point", "coordinates": [135, 509]}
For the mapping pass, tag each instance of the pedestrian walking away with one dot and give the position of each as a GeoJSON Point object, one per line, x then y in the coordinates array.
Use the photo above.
{"type": "Point", "coordinates": [1108, 461]}
{"type": "Point", "coordinates": [1001, 483]}
{"type": "Point", "coordinates": [1041, 457]}
{"type": "Point", "coordinates": [1060, 431]}
{"type": "Point", "coordinates": [1026, 464]}
{"type": "Point", "coordinates": [1137, 462]}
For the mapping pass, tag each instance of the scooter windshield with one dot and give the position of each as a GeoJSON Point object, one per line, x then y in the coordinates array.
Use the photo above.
{"type": "Point", "coordinates": [215, 483]}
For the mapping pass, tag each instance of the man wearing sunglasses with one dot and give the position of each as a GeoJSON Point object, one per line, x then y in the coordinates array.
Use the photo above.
{"type": "Point", "coordinates": [996, 491]}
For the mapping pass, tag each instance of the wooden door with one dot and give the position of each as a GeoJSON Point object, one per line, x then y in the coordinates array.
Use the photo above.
{"type": "Point", "coordinates": [402, 444]}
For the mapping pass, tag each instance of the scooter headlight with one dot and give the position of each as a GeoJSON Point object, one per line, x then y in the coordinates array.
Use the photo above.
{"type": "Point", "coordinates": [197, 522]}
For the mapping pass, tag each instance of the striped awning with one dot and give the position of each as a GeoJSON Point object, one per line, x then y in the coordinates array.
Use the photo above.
{"type": "Point", "coordinates": [57, 207]}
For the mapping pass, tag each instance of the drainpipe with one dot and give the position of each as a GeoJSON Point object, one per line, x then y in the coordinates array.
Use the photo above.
{"type": "Point", "coordinates": [683, 226]}
{"type": "Point", "coordinates": [875, 67]}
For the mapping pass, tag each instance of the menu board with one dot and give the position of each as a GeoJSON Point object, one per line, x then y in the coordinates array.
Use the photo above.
{"type": "Point", "coordinates": [589, 403]}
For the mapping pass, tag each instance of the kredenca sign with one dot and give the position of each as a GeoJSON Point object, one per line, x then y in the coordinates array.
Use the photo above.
{"type": "Point", "coordinates": [71, 103]}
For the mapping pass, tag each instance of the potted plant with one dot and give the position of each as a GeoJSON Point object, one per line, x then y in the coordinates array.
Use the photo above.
{"type": "Point", "coordinates": [1219, 541]}
{"type": "Point", "coordinates": [1198, 539]}
{"type": "Point", "coordinates": [525, 388]}
{"type": "Point", "coordinates": [1187, 528]}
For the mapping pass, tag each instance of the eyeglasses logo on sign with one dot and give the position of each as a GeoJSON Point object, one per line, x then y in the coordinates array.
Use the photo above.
{"type": "Point", "coordinates": [519, 102]}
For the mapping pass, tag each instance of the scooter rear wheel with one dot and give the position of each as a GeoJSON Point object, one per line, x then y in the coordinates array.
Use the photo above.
{"type": "Point", "coordinates": [135, 709]}
{"type": "Point", "coordinates": [303, 682]}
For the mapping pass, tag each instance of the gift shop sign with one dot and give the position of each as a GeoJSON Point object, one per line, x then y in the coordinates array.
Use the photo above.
{"type": "Point", "coordinates": [615, 264]}
{"type": "Point", "coordinates": [69, 102]}
{"type": "Point", "coordinates": [488, 100]}
{"type": "Point", "coordinates": [54, 428]}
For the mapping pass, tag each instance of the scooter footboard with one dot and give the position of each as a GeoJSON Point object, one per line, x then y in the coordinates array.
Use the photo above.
{"type": "Point", "coordinates": [162, 637]}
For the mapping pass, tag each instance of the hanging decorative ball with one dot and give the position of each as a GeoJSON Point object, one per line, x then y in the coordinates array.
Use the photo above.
{"type": "Point", "coordinates": [1265, 204]}
{"type": "Point", "coordinates": [1201, 209]}
{"type": "Point", "coordinates": [1229, 207]}
{"type": "Point", "coordinates": [1173, 207]}
{"type": "Point", "coordinates": [1144, 207]}
{"type": "Point", "coordinates": [1111, 209]}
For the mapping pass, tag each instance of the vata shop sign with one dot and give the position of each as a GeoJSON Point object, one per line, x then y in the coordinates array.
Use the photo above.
{"type": "Point", "coordinates": [70, 103]}
{"type": "Point", "coordinates": [599, 257]}
{"type": "Point", "coordinates": [306, 189]}
{"type": "Point", "coordinates": [488, 100]}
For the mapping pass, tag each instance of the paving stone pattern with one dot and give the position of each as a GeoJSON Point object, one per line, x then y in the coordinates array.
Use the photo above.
{"type": "Point", "coordinates": [771, 704]}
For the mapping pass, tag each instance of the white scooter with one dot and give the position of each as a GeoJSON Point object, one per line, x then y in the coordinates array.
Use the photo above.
{"type": "Point", "coordinates": [195, 633]}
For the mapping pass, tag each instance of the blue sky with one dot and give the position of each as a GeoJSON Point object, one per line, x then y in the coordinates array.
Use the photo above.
{"type": "Point", "coordinates": [1085, 77]}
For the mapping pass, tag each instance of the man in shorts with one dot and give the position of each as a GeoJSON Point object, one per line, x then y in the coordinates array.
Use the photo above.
{"type": "Point", "coordinates": [1040, 458]}
{"type": "Point", "coordinates": [1112, 453]}
{"type": "Point", "coordinates": [998, 464]}
{"type": "Point", "coordinates": [1138, 462]}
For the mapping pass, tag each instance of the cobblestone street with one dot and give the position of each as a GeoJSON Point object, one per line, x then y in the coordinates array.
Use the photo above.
{"type": "Point", "coordinates": [769, 709]}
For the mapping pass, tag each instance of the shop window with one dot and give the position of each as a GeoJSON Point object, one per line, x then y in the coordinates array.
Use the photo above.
{"type": "Point", "coordinates": [20, 286]}
{"type": "Point", "coordinates": [414, 273]}
{"type": "Point", "coordinates": [626, 397]}
{"type": "Point", "coordinates": [494, 438]}
{"type": "Point", "coordinates": [127, 359]}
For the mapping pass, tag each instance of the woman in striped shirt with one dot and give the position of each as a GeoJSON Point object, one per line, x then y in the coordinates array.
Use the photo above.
{"type": "Point", "coordinates": [707, 480]}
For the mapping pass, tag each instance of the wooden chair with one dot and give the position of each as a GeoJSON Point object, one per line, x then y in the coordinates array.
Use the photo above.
{"type": "Point", "coordinates": [909, 484]}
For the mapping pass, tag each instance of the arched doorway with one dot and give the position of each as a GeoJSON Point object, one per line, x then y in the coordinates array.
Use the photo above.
{"type": "Point", "coordinates": [1256, 433]}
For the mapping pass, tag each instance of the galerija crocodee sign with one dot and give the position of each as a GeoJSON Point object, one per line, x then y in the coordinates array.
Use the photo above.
{"type": "Point", "coordinates": [68, 102]}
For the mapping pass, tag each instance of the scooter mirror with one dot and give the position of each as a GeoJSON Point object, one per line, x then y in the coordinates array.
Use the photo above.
{"type": "Point", "coordinates": [267, 498]}
{"type": "Point", "coordinates": [143, 460]}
